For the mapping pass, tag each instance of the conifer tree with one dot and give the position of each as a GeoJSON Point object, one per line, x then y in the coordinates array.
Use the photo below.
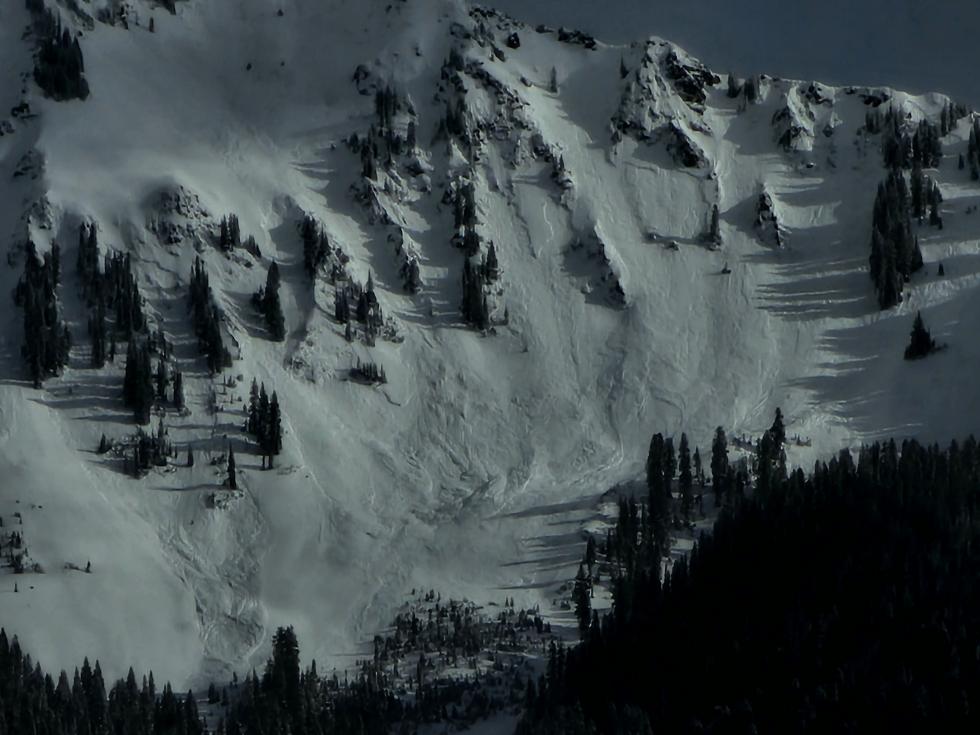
{"type": "Point", "coordinates": [918, 190]}
{"type": "Point", "coordinates": [719, 464]}
{"type": "Point", "coordinates": [179, 391]}
{"type": "Point", "coordinates": [412, 275]}
{"type": "Point", "coordinates": [921, 342]}
{"type": "Point", "coordinates": [895, 255]}
{"type": "Point", "coordinates": [271, 306]}
{"type": "Point", "coordinates": [232, 480]}
{"type": "Point", "coordinates": [778, 431]}
{"type": "Point", "coordinates": [55, 263]}
{"type": "Point", "coordinates": [138, 381]}
{"type": "Point", "coordinates": [658, 497]}
{"type": "Point", "coordinates": [685, 482]}
{"type": "Point", "coordinates": [492, 268]}
{"type": "Point", "coordinates": [474, 306]}
{"type": "Point", "coordinates": [252, 422]}
{"type": "Point", "coordinates": [889, 279]}
{"type": "Point", "coordinates": [58, 64]}
{"type": "Point", "coordinates": [97, 331]}
{"type": "Point", "coordinates": [714, 232]}
{"type": "Point", "coordinates": [261, 430]}
{"type": "Point", "coordinates": [765, 459]}
{"type": "Point", "coordinates": [283, 671]}
{"type": "Point", "coordinates": [275, 425]}
{"type": "Point", "coordinates": [582, 594]}
{"type": "Point", "coordinates": [316, 246]}
{"type": "Point", "coordinates": [162, 380]}
{"type": "Point", "coordinates": [47, 339]}
{"type": "Point", "coordinates": [935, 220]}
{"type": "Point", "coordinates": [229, 233]}
{"type": "Point", "coordinates": [206, 316]}
{"type": "Point", "coordinates": [87, 262]}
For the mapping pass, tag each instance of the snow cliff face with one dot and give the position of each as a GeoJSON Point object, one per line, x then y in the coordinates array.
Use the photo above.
{"type": "Point", "coordinates": [594, 170]}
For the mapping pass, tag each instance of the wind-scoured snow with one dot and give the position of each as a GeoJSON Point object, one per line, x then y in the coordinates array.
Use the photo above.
{"type": "Point", "coordinates": [473, 468]}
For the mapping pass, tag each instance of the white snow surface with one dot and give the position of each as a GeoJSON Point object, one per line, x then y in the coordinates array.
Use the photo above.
{"type": "Point", "coordinates": [474, 468]}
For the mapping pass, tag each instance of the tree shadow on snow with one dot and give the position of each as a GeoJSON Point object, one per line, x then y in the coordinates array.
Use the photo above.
{"type": "Point", "coordinates": [586, 502]}
{"type": "Point", "coordinates": [867, 383]}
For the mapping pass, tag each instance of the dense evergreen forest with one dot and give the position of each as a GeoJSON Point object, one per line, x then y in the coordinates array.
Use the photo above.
{"type": "Point", "coordinates": [59, 69]}
{"type": "Point", "coordinates": [34, 703]}
{"type": "Point", "coordinates": [284, 698]}
{"type": "Point", "coordinates": [848, 601]}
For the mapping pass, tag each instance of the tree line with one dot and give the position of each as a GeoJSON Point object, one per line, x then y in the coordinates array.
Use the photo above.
{"type": "Point", "coordinates": [479, 274]}
{"type": "Point", "coordinates": [207, 320]}
{"type": "Point", "coordinates": [32, 701]}
{"type": "Point", "coordinates": [59, 69]}
{"type": "Point", "coordinates": [47, 340]}
{"type": "Point", "coordinates": [264, 422]}
{"type": "Point", "coordinates": [266, 300]}
{"type": "Point", "coordinates": [366, 308]}
{"type": "Point", "coordinates": [842, 601]}
{"type": "Point", "coordinates": [895, 253]}
{"type": "Point", "coordinates": [284, 698]}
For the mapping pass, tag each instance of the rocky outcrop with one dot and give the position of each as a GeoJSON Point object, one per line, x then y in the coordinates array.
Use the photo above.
{"type": "Point", "coordinates": [176, 215]}
{"type": "Point", "coordinates": [767, 223]}
{"type": "Point", "coordinates": [663, 102]}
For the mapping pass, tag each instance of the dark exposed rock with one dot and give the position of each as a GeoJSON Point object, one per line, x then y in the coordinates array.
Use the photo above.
{"type": "Point", "coordinates": [689, 78]}
{"type": "Point", "coordinates": [683, 148]}
{"type": "Point", "coordinates": [576, 37]}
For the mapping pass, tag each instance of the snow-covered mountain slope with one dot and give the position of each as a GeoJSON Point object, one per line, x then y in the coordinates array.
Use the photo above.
{"type": "Point", "coordinates": [473, 468]}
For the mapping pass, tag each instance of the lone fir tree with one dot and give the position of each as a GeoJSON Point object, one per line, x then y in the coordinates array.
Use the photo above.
{"type": "Point", "coordinates": [232, 479]}
{"type": "Point", "coordinates": [778, 430]}
{"type": "Point", "coordinates": [719, 464]}
{"type": "Point", "coordinates": [921, 342]}
{"type": "Point", "coordinates": [271, 306]}
{"type": "Point", "coordinates": [658, 494]}
{"type": "Point", "coordinates": [138, 390]}
{"type": "Point", "coordinates": [179, 400]}
{"type": "Point", "coordinates": [686, 480]}
{"type": "Point", "coordinates": [714, 228]}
